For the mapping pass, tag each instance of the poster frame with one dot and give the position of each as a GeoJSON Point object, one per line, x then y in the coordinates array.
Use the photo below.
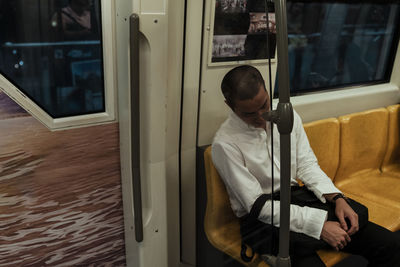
{"type": "Point", "coordinates": [210, 63]}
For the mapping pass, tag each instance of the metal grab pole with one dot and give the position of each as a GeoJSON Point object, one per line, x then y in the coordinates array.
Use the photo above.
{"type": "Point", "coordinates": [135, 126]}
{"type": "Point", "coordinates": [283, 117]}
{"type": "Point", "coordinates": [285, 125]}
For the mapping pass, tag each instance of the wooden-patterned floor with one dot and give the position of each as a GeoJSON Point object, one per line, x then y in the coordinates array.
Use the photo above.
{"type": "Point", "coordinates": [60, 193]}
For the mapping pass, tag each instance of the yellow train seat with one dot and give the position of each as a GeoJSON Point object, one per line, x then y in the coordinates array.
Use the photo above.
{"type": "Point", "coordinates": [391, 161]}
{"type": "Point", "coordinates": [363, 145]}
{"type": "Point", "coordinates": [324, 138]}
{"type": "Point", "coordinates": [360, 152]}
{"type": "Point", "coordinates": [221, 225]}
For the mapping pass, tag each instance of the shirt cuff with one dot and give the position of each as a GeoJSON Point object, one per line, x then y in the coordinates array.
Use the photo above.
{"type": "Point", "coordinates": [314, 222]}
{"type": "Point", "coordinates": [320, 192]}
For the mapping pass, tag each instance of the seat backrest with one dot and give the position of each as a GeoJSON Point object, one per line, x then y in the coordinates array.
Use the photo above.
{"type": "Point", "coordinates": [221, 225]}
{"type": "Point", "coordinates": [324, 136]}
{"type": "Point", "coordinates": [363, 141]}
{"type": "Point", "coordinates": [392, 155]}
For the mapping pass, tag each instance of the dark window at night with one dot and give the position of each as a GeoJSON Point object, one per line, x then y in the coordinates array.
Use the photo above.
{"type": "Point", "coordinates": [335, 44]}
{"type": "Point", "coordinates": [51, 50]}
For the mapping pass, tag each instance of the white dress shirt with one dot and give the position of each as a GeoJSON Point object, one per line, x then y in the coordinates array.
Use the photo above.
{"type": "Point", "coordinates": [242, 155]}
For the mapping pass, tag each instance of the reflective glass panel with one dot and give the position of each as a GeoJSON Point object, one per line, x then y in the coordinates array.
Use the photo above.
{"type": "Point", "coordinates": [336, 43]}
{"type": "Point", "coordinates": [52, 51]}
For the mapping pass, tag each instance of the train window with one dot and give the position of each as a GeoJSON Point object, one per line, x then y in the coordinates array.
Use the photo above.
{"type": "Point", "coordinates": [52, 51]}
{"type": "Point", "coordinates": [336, 44]}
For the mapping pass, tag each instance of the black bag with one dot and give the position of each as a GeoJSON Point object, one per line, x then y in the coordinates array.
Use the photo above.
{"type": "Point", "coordinates": [251, 229]}
{"type": "Point", "coordinates": [263, 238]}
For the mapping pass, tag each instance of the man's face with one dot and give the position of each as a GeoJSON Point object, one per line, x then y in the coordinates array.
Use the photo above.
{"type": "Point", "coordinates": [250, 110]}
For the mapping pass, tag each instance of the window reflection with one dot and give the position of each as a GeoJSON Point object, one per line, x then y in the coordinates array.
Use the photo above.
{"type": "Point", "coordinates": [340, 44]}
{"type": "Point", "coordinates": [52, 51]}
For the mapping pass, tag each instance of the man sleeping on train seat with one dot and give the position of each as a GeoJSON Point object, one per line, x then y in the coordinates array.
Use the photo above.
{"type": "Point", "coordinates": [241, 152]}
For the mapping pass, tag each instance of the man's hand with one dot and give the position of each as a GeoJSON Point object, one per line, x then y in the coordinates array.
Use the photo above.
{"type": "Point", "coordinates": [334, 235]}
{"type": "Point", "coordinates": [342, 211]}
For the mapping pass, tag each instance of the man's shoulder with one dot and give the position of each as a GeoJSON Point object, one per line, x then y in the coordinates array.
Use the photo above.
{"type": "Point", "coordinates": [224, 135]}
{"type": "Point", "coordinates": [224, 147]}
{"type": "Point", "coordinates": [227, 133]}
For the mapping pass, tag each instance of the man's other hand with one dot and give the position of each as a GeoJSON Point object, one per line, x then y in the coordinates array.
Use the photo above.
{"type": "Point", "coordinates": [343, 211]}
{"type": "Point", "coordinates": [333, 234]}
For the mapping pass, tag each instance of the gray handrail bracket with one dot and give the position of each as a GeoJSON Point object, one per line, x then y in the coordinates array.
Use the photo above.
{"type": "Point", "coordinates": [285, 118]}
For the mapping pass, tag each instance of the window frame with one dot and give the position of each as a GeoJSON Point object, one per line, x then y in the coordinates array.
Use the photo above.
{"type": "Point", "coordinates": [394, 50]}
{"type": "Point", "coordinates": [110, 86]}
{"type": "Point", "coordinates": [349, 99]}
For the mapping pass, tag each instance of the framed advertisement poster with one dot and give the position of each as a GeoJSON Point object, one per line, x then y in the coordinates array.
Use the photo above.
{"type": "Point", "coordinates": [240, 30]}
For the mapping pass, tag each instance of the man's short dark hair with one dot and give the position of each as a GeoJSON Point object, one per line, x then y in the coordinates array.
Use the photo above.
{"type": "Point", "coordinates": [241, 83]}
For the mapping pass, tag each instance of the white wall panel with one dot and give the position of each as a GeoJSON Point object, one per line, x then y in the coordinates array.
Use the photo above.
{"type": "Point", "coordinates": [160, 77]}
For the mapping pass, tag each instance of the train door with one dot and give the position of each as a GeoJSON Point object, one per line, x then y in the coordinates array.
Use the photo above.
{"type": "Point", "coordinates": [66, 126]}
{"type": "Point", "coordinates": [159, 45]}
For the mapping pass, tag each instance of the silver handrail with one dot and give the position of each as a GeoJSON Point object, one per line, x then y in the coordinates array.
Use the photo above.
{"type": "Point", "coordinates": [135, 125]}
{"type": "Point", "coordinates": [285, 128]}
{"type": "Point", "coordinates": [283, 117]}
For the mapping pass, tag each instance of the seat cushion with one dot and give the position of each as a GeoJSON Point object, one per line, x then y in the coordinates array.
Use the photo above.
{"type": "Point", "coordinates": [391, 162]}
{"type": "Point", "coordinates": [221, 226]}
{"type": "Point", "coordinates": [373, 186]}
{"type": "Point", "coordinates": [323, 136]}
{"type": "Point", "coordinates": [363, 140]}
{"type": "Point", "coordinates": [384, 215]}
{"type": "Point", "coordinates": [392, 170]}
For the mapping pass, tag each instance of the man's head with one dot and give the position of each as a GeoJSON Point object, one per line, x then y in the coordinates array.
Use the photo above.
{"type": "Point", "coordinates": [244, 90]}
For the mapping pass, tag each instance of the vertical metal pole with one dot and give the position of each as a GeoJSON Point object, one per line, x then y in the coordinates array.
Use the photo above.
{"type": "Point", "coordinates": [135, 125]}
{"type": "Point", "coordinates": [282, 47]}
{"type": "Point", "coordinates": [285, 125]}
{"type": "Point", "coordinates": [283, 256]}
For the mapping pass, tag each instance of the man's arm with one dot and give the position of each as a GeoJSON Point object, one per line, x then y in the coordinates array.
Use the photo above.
{"type": "Point", "coordinates": [316, 180]}
{"type": "Point", "coordinates": [308, 169]}
{"type": "Point", "coordinates": [244, 188]}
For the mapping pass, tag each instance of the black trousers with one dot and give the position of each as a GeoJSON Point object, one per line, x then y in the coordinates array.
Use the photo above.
{"type": "Point", "coordinates": [378, 245]}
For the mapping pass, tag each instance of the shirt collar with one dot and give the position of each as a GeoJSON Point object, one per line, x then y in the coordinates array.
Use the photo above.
{"type": "Point", "coordinates": [239, 123]}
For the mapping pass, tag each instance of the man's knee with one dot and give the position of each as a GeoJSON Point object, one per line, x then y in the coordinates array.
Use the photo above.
{"type": "Point", "coordinates": [387, 252]}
